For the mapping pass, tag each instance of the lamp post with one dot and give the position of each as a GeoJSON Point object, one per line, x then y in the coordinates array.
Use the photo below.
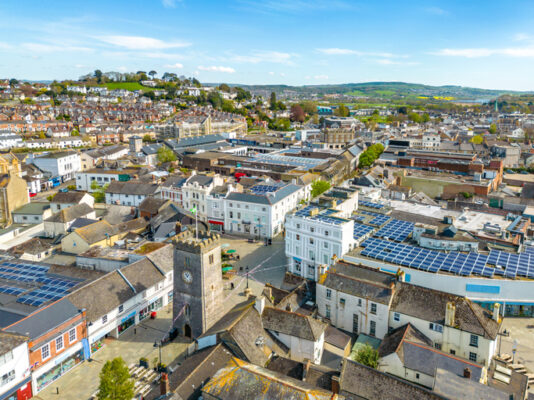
{"type": "Point", "coordinates": [501, 334]}
{"type": "Point", "coordinates": [247, 277]}
{"type": "Point", "coordinates": [156, 344]}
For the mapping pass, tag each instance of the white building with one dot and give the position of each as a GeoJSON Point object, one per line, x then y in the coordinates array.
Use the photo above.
{"type": "Point", "coordinates": [261, 211]}
{"type": "Point", "coordinates": [131, 193]}
{"type": "Point", "coordinates": [356, 300]}
{"type": "Point", "coordinates": [15, 379]}
{"type": "Point", "coordinates": [171, 189]}
{"type": "Point", "coordinates": [62, 164]}
{"type": "Point", "coordinates": [10, 140]}
{"type": "Point", "coordinates": [195, 192]}
{"type": "Point", "coordinates": [302, 334]}
{"type": "Point", "coordinates": [317, 235]}
{"type": "Point", "coordinates": [431, 141]}
{"type": "Point", "coordinates": [101, 176]}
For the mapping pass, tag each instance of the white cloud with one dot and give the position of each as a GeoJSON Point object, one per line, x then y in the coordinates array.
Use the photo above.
{"type": "Point", "coordinates": [174, 66]}
{"type": "Point", "coordinates": [337, 51]}
{"type": "Point", "coordinates": [169, 3]}
{"type": "Point", "coordinates": [282, 74]}
{"type": "Point", "coordinates": [486, 52]}
{"type": "Point", "coordinates": [122, 69]}
{"type": "Point", "coordinates": [521, 37]}
{"type": "Point", "coordinates": [79, 66]}
{"type": "Point", "coordinates": [215, 68]}
{"type": "Point", "coordinates": [52, 48]}
{"type": "Point", "coordinates": [437, 11]}
{"type": "Point", "coordinates": [4, 46]}
{"type": "Point", "coordinates": [321, 77]}
{"type": "Point", "coordinates": [265, 56]}
{"type": "Point", "coordinates": [271, 73]}
{"type": "Point", "coordinates": [140, 42]}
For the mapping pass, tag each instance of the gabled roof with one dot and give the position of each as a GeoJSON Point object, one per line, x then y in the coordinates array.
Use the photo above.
{"type": "Point", "coordinates": [239, 380]}
{"type": "Point", "coordinates": [71, 213]}
{"type": "Point", "coordinates": [293, 324]}
{"type": "Point", "coordinates": [430, 305]}
{"type": "Point", "coordinates": [132, 187]}
{"type": "Point", "coordinates": [68, 197]}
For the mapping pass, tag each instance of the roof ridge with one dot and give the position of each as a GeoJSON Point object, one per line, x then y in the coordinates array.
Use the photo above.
{"type": "Point", "coordinates": [471, 306]}
{"type": "Point", "coordinates": [443, 353]}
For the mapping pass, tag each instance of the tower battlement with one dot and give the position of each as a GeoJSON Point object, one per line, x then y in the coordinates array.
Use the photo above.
{"type": "Point", "coordinates": [187, 241]}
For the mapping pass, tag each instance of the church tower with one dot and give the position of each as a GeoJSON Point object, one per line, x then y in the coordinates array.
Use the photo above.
{"type": "Point", "coordinates": [198, 285]}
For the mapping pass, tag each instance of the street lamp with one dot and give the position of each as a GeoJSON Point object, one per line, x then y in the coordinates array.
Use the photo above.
{"type": "Point", "coordinates": [501, 334]}
{"type": "Point", "coordinates": [156, 344]}
{"type": "Point", "coordinates": [247, 276]}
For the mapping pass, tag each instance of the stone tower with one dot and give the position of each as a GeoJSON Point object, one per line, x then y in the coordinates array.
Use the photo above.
{"type": "Point", "coordinates": [198, 285]}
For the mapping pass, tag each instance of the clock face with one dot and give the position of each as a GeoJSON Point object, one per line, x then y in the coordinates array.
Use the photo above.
{"type": "Point", "coordinates": [187, 276]}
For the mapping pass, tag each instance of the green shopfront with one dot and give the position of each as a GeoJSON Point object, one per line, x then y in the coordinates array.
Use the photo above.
{"type": "Point", "coordinates": [59, 366]}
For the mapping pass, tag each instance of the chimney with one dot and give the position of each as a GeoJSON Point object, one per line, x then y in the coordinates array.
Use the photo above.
{"type": "Point", "coordinates": [335, 384]}
{"type": "Point", "coordinates": [268, 292]}
{"type": "Point", "coordinates": [496, 311]}
{"type": "Point", "coordinates": [467, 373]}
{"type": "Point", "coordinates": [259, 304]}
{"type": "Point", "coordinates": [306, 368]}
{"type": "Point", "coordinates": [164, 384]}
{"type": "Point", "coordinates": [450, 312]}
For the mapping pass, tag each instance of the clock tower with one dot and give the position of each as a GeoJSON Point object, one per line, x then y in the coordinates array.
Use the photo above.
{"type": "Point", "coordinates": [198, 285]}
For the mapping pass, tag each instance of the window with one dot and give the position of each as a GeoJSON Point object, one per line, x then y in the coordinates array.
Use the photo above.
{"type": "Point", "coordinates": [474, 341]}
{"type": "Point", "coordinates": [342, 302]}
{"type": "Point", "coordinates": [396, 317]}
{"type": "Point", "coordinates": [298, 237]}
{"type": "Point", "coordinates": [264, 209]}
{"type": "Point", "coordinates": [453, 352]}
{"type": "Point", "coordinates": [327, 313]}
{"type": "Point", "coordinates": [473, 357]}
{"type": "Point", "coordinates": [373, 308]}
{"type": "Point", "coordinates": [6, 378]}
{"type": "Point", "coordinates": [326, 233]}
{"type": "Point", "coordinates": [435, 327]}
{"type": "Point", "coordinates": [6, 358]}
{"type": "Point", "coordinates": [328, 293]}
{"type": "Point", "coordinates": [359, 302]}
{"type": "Point", "coordinates": [211, 258]}
{"type": "Point", "coordinates": [297, 266]}
{"type": "Point", "coordinates": [45, 351]}
{"type": "Point", "coordinates": [121, 308]}
{"type": "Point", "coordinates": [372, 328]}
{"type": "Point", "coordinates": [311, 241]}
{"type": "Point", "coordinates": [59, 343]}
{"type": "Point", "coordinates": [231, 214]}
{"type": "Point", "coordinates": [417, 376]}
{"type": "Point", "coordinates": [72, 335]}
{"type": "Point", "coordinates": [326, 245]}
{"type": "Point", "coordinates": [104, 319]}
{"type": "Point", "coordinates": [355, 323]}
{"type": "Point", "coordinates": [437, 346]}
{"type": "Point", "coordinates": [312, 229]}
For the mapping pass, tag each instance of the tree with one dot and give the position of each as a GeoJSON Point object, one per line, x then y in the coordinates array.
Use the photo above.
{"type": "Point", "coordinates": [319, 187]}
{"type": "Point", "coordinates": [342, 111]}
{"type": "Point", "coordinates": [297, 113]}
{"type": "Point", "coordinates": [13, 82]}
{"type": "Point", "coordinates": [273, 102]}
{"type": "Point", "coordinates": [165, 154]}
{"type": "Point", "coordinates": [115, 381]}
{"type": "Point", "coordinates": [75, 132]}
{"type": "Point", "coordinates": [152, 74]}
{"type": "Point", "coordinates": [368, 356]}
{"type": "Point", "coordinates": [414, 117]}
{"type": "Point", "coordinates": [309, 107]}
{"type": "Point", "coordinates": [98, 75]}
{"type": "Point", "coordinates": [493, 129]}
{"type": "Point", "coordinates": [368, 157]}
{"type": "Point", "coordinates": [215, 99]}
{"type": "Point", "coordinates": [477, 139]}
{"type": "Point", "coordinates": [223, 87]}
{"type": "Point", "coordinates": [99, 192]}
{"type": "Point", "coordinates": [147, 138]}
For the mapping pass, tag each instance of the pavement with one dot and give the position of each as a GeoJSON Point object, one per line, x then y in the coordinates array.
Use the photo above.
{"type": "Point", "coordinates": [136, 342]}
{"type": "Point", "coordinates": [42, 196]}
{"type": "Point", "coordinates": [521, 331]}
{"type": "Point", "coordinates": [266, 264]}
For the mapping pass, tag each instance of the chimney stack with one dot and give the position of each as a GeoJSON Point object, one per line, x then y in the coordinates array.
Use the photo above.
{"type": "Point", "coordinates": [496, 311]}
{"type": "Point", "coordinates": [467, 373]}
{"type": "Point", "coordinates": [450, 312]}
{"type": "Point", "coordinates": [307, 363]}
{"type": "Point", "coordinates": [259, 305]}
{"type": "Point", "coordinates": [335, 384]}
{"type": "Point", "coordinates": [164, 384]}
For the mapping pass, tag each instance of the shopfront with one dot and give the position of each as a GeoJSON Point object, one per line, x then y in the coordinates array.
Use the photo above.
{"type": "Point", "coordinates": [155, 305]}
{"type": "Point", "coordinates": [97, 344]}
{"type": "Point", "coordinates": [215, 225]}
{"type": "Point", "coordinates": [22, 391]}
{"type": "Point", "coordinates": [61, 365]}
{"type": "Point", "coordinates": [126, 322]}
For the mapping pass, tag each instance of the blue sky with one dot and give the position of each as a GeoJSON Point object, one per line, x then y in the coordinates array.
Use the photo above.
{"type": "Point", "coordinates": [488, 44]}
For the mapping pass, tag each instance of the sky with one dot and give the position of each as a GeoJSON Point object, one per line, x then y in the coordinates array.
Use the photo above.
{"type": "Point", "coordinates": [487, 44]}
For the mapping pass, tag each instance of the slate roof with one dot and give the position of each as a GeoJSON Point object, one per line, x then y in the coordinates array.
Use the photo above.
{"type": "Point", "coordinates": [44, 319]}
{"type": "Point", "coordinates": [132, 187]}
{"type": "Point", "coordinates": [360, 282]}
{"type": "Point", "coordinates": [34, 245]}
{"type": "Point", "coordinates": [152, 205]}
{"type": "Point", "coordinates": [239, 380]}
{"type": "Point", "coordinates": [202, 180]}
{"type": "Point", "coordinates": [70, 213]}
{"type": "Point", "coordinates": [293, 324]}
{"type": "Point", "coordinates": [392, 341]}
{"type": "Point", "coordinates": [34, 208]}
{"type": "Point", "coordinates": [430, 305]}
{"type": "Point", "coordinates": [68, 197]}
{"type": "Point", "coordinates": [96, 232]}
{"type": "Point", "coordinates": [452, 386]}
{"type": "Point", "coordinates": [359, 382]}
{"type": "Point", "coordinates": [269, 199]}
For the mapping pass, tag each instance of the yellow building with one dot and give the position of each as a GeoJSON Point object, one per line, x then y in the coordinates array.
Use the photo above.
{"type": "Point", "coordinates": [13, 189]}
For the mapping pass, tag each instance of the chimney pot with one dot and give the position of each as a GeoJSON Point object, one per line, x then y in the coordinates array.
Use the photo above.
{"type": "Point", "coordinates": [335, 384]}
{"type": "Point", "coordinates": [467, 373]}
{"type": "Point", "coordinates": [164, 384]}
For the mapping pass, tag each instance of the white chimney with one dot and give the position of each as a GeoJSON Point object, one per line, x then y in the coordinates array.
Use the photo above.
{"type": "Point", "coordinates": [496, 311]}
{"type": "Point", "coordinates": [259, 305]}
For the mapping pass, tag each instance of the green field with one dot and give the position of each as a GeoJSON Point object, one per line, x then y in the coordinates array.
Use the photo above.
{"type": "Point", "coordinates": [127, 86]}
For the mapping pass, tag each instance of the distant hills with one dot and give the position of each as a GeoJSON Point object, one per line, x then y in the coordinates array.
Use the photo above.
{"type": "Point", "coordinates": [389, 90]}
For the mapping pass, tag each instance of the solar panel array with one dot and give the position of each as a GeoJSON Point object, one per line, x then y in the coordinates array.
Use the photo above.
{"type": "Point", "coordinates": [15, 291]}
{"type": "Point", "coordinates": [396, 230]}
{"type": "Point", "coordinates": [360, 230]}
{"type": "Point", "coordinates": [370, 204]}
{"type": "Point", "coordinates": [509, 265]}
{"type": "Point", "coordinates": [528, 250]}
{"type": "Point", "coordinates": [52, 287]}
{"type": "Point", "coordinates": [262, 189]}
{"type": "Point", "coordinates": [324, 216]}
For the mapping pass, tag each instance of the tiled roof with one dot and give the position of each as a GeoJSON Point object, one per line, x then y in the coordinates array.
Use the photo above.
{"type": "Point", "coordinates": [293, 324]}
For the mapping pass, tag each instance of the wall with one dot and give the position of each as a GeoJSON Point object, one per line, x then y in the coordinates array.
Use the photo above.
{"type": "Point", "coordinates": [301, 349]}
{"type": "Point", "coordinates": [20, 364]}
{"type": "Point", "coordinates": [393, 365]}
